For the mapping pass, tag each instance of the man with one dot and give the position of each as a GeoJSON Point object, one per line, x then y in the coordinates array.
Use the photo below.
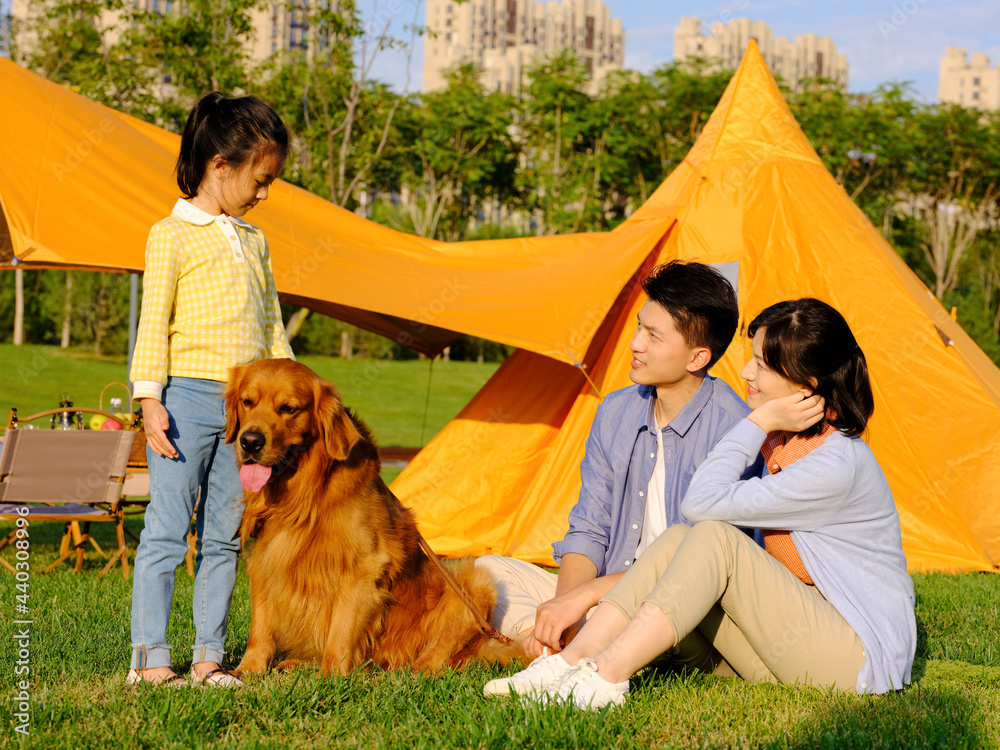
{"type": "Point", "coordinates": [644, 446]}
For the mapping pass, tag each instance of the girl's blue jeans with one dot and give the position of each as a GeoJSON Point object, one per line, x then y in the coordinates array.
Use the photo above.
{"type": "Point", "coordinates": [205, 465]}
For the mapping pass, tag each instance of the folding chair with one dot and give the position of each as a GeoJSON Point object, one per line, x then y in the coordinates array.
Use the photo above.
{"type": "Point", "coordinates": [71, 476]}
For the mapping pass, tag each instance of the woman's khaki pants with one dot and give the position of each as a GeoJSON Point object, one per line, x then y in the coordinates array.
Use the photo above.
{"type": "Point", "coordinates": [729, 599]}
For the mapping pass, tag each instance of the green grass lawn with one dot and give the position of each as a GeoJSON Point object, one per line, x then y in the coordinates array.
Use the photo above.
{"type": "Point", "coordinates": [390, 396]}
{"type": "Point", "coordinates": [79, 644]}
{"type": "Point", "coordinates": [79, 647]}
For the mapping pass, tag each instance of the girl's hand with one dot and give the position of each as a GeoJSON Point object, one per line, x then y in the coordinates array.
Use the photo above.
{"type": "Point", "coordinates": [794, 413]}
{"type": "Point", "coordinates": [155, 423]}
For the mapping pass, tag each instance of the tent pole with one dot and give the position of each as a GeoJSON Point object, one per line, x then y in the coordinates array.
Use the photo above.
{"type": "Point", "coordinates": [427, 399]}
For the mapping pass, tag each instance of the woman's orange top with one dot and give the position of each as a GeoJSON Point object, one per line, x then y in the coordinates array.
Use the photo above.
{"type": "Point", "coordinates": [777, 455]}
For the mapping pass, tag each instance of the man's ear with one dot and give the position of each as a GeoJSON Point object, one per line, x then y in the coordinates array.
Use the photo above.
{"type": "Point", "coordinates": [232, 397]}
{"type": "Point", "coordinates": [700, 357]}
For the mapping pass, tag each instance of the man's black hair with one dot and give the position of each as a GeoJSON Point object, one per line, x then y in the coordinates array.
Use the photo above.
{"type": "Point", "coordinates": [700, 300]}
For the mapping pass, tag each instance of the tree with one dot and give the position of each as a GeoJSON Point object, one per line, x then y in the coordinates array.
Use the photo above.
{"type": "Point", "coordinates": [645, 126]}
{"type": "Point", "coordinates": [689, 91]}
{"type": "Point", "coordinates": [341, 121]}
{"type": "Point", "coordinates": [559, 147]}
{"type": "Point", "coordinates": [989, 281]}
{"type": "Point", "coordinates": [952, 220]}
{"type": "Point", "coordinates": [629, 164]}
{"type": "Point", "coordinates": [863, 141]}
{"type": "Point", "coordinates": [953, 186]}
{"type": "Point", "coordinates": [461, 158]}
{"type": "Point", "coordinates": [67, 42]}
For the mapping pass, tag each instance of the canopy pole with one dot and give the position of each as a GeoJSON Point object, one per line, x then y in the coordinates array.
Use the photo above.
{"type": "Point", "coordinates": [427, 399]}
{"type": "Point", "coordinates": [133, 321]}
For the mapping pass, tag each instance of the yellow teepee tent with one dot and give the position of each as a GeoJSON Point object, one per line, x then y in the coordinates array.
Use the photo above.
{"type": "Point", "coordinates": [754, 195]}
{"type": "Point", "coordinates": [81, 184]}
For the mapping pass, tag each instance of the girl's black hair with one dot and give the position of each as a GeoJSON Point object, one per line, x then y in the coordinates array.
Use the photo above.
{"type": "Point", "coordinates": [240, 130]}
{"type": "Point", "coordinates": [806, 340]}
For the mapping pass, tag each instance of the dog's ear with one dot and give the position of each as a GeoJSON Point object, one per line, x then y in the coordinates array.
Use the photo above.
{"type": "Point", "coordinates": [232, 397]}
{"type": "Point", "coordinates": [336, 429]}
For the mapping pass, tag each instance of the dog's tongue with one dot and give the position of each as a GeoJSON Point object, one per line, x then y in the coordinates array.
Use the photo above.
{"type": "Point", "coordinates": [254, 476]}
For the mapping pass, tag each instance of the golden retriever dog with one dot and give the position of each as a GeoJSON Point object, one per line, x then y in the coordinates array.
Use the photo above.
{"type": "Point", "coordinates": [337, 575]}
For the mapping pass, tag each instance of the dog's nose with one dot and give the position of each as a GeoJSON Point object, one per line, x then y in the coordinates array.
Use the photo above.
{"type": "Point", "coordinates": [252, 442]}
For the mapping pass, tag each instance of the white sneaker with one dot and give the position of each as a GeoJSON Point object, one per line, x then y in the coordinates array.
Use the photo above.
{"type": "Point", "coordinates": [585, 688]}
{"type": "Point", "coordinates": [217, 677]}
{"type": "Point", "coordinates": [544, 670]}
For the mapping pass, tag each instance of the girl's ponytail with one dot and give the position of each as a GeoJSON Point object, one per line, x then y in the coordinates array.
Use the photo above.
{"type": "Point", "coordinates": [191, 164]}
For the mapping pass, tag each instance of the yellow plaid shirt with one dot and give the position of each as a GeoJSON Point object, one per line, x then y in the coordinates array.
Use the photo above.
{"type": "Point", "coordinates": [208, 301]}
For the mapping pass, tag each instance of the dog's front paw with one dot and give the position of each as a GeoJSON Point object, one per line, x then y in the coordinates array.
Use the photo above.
{"type": "Point", "coordinates": [246, 667]}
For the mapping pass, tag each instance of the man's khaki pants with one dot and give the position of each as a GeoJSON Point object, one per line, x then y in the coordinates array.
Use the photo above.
{"type": "Point", "coordinates": [725, 596]}
{"type": "Point", "coordinates": [521, 587]}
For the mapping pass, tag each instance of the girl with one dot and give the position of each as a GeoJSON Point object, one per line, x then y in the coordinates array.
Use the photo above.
{"type": "Point", "coordinates": [208, 304]}
{"type": "Point", "coordinates": [829, 603]}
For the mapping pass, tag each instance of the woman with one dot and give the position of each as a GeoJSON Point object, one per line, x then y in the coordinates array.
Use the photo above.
{"type": "Point", "coordinates": [829, 603]}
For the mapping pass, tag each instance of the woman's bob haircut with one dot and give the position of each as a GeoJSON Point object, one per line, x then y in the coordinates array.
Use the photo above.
{"type": "Point", "coordinates": [809, 343]}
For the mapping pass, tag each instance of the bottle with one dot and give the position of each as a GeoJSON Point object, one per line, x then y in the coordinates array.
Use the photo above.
{"type": "Point", "coordinates": [65, 417]}
{"type": "Point", "coordinates": [116, 410]}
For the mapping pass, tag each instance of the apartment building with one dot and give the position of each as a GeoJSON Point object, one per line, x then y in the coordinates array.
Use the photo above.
{"type": "Point", "coordinates": [283, 27]}
{"type": "Point", "coordinates": [278, 26]}
{"type": "Point", "coordinates": [505, 37]}
{"type": "Point", "coordinates": [971, 83]}
{"type": "Point", "coordinates": [809, 56]}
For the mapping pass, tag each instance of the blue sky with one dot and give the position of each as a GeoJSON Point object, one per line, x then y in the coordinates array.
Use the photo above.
{"type": "Point", "coordinates": [884, 40]}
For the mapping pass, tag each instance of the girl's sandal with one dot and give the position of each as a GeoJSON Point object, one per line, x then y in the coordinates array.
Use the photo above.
{"type": "Point", "coordinates": [217, 677]}
{"type": "Point", "coordinates": [135, 678]}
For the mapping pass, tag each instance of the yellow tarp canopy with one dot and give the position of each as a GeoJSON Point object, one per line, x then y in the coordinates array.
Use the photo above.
{"type": "Point", "coordinates": [504, 474]}
{"type": "Point", "coordinates": [81, 184]}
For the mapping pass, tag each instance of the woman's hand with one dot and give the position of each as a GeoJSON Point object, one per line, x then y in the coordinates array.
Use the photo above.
{"type": "Point", "coordinates": [155, 423]}
{"type": "Point", "coordinates": [794, 413]}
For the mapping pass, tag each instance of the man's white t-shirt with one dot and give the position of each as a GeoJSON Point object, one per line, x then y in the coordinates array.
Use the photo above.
{"type": "Point", "coordinates": [654, 520]}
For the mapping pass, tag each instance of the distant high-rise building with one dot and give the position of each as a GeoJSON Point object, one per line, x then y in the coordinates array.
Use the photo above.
{"type": "Point", "coordinates": [505, 36]}
{"type": "Point", "coordinates": [284, 27]}
{"type": "Point", "coordinates": [971, 84]}
{"type": "Point", "coordinates": [809, 56]}
{"type": "Point", "coordinates": [278, 26]}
